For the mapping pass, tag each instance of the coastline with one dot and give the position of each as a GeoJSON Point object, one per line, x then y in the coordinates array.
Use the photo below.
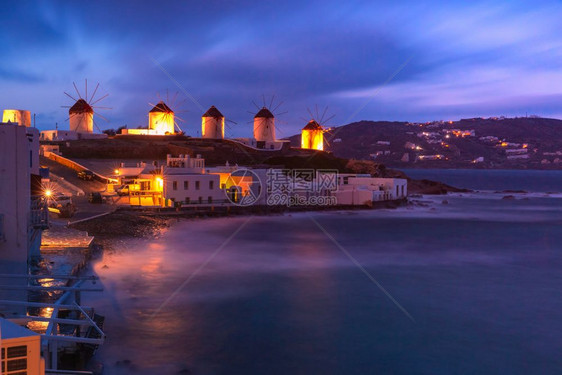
{"type": "Point", "coordinates": [126, 223]}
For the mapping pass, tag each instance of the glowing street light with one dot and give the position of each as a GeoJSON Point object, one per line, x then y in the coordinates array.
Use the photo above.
{"type": "Point", "coordinates": [48, 193]}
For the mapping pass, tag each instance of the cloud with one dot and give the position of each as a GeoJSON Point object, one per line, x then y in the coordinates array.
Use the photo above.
{"type": "Point", "coordinates": [468, 58]}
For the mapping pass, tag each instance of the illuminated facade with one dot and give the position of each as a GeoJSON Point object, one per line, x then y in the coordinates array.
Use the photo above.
{"type": "Point", "coordinates": [22, 117]}
{"type": "Point", "coordinates": [264, 126]}
{"type": "Point", "coordinates": [212, 124]}
{"type": "Point", "coordinates": [312, 136]}
{"type": "Point", "coordinates": [161, 119]}
{"type": "Point", "coordinates": [81, 117]}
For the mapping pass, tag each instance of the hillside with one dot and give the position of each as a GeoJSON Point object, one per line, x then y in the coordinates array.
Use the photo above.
{"type": "Point", "coordinates": [521, 143]}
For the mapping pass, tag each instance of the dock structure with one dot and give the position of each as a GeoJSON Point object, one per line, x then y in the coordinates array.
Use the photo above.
{"type": "Point", "coordinates": [63, 325]}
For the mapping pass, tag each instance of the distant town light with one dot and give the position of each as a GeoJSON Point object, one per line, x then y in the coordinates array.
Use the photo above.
{"type": "Point", "coordinates": [48, 193]}
{"type": "Point", "coordinates": [116, 171]}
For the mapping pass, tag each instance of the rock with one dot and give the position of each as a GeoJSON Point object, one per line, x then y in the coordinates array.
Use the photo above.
{"type": "Point", "coordinates": [445, 201]}
{"type": "Point", "coordinates": [508, 197]}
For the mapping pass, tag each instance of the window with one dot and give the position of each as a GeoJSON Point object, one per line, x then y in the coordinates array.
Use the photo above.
{"type": "Point", "coordinates": [187, 199]}
{"type": "Point", "coordinates": [30, 159]}
{"type": "Point", "coordinates": [397, 191]}
{"type": "Point", "coordinates": [200, 200]}
{"type": "Point", "coordinates": [402, 190]}
{"type": "Point", "coordinates": [175, 185]}
{"type": "Point", "coordinates": [185, 185]}
{"type": "Point", "coordinates": [211, 185]}
{"type": "Point", "coordinates": [15, 359]}
{"type": "Point", "coordinates": [197, 185]}
{"type": "Point", "coordinates": [210, 200]}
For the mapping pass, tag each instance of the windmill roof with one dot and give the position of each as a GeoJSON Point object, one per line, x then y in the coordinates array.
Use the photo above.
{"type": "Point", "coordinates": [213, 112]}
{"type": "Point", "coordinates": [312, 125]}
{"type": "Point", "coordinates": [161, 107]}
{"type": "Point", "coordinates": [81, 106]}
{"type": "Point", "coordinates": [265, 113]}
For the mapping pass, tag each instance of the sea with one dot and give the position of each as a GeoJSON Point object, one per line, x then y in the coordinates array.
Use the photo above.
{"type": "Point", "coordinates": [466, 283]}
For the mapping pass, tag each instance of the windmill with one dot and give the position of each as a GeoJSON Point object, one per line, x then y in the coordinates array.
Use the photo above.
{"type": "Point", "coordinates": [81, 114]}
{"type": "Point", "coordinates": [212, 124]}
{"type": "Point", "coordinates": [312, 136]}
{"type": "Point", "coordinates": [264, 121]}
{"type": "Point", "coordinates": [162, 119]}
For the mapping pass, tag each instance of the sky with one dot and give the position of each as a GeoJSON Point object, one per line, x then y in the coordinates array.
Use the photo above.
{"type": "Point", "coordinates": [383, 60]}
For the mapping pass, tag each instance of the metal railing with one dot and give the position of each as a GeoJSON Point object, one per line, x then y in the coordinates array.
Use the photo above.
{"type": "Point", "coordinates": [39, 213]}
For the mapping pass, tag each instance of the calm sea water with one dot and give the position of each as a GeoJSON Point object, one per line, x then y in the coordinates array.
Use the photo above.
{"type": "Point", "coordinates": [489, 179]}
{"type": "Point", "coordinates": [481, 277]}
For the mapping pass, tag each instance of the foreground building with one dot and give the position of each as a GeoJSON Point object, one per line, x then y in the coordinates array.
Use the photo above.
{"type": "Point", "coordinates": [23, 212]}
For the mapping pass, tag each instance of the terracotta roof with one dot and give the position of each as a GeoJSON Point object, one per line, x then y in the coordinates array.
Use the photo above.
{"type": "Point", "coordinates": [213, 112]}
{"type": "Point", "coordinates": [312, 125]}
{"type": "Point", "coordinates": [161, 107]}
{"type": "Point", "coordinates": [80, 106]}
{"type": "Point", "coordinates": [265, 113]}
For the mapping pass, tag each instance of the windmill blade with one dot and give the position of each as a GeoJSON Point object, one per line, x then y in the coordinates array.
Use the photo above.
{"type": "Point", "coordinates": [96, 125]}
{"type": "Point", "coordinates": [65, 106]}
{"type": "Point", "coordinates": [178, 126]}
{"type": "Point", "coordinates": [310, 113]}
{"type": "Point", "coordinates": [328, 119]}
{"type": "Point", "coordinates": [86, 88]}
{"type": "Point", "coordinates": [100, 99]}
{"type": "Point", "coordinates": [94, 94]}
{"type": "Point", "coordinates": [96, 107]}
{"type": "Point", "coordinates": [263, 97]}
{"type": "Point", "coordinates": [271, 102]}
{"type": "Point", "coordinates": [76, 88]}
{"type": "Point", "coordinates": [278, 105]}
{"type": "Point", "coordinates": [233, 122]}
{"type": "Point", "coordinates": [70, 96]}
{"type": "Point", "coordinates": [257, 106]}
{"type": "Point", "coordinates": [97, 114]}
{"type": "Point", "coordinates": [323, 114]}
{"type": "Point", "coordinates": [282, 113]}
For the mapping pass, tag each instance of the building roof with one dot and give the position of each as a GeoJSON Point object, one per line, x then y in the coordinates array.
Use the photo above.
{"type": "Point", "coordinates": [312, 125]}
{"type": "Point", "coordinates": [81, 106]}
{"type": "Point", "coordinates": [213, 112]}
{"type": "Point", "coordinates": [12, 330]}
{"type": "Point", "coordinates": [161, 107]}
{"type": "Point", "coordinates": [264, 113]}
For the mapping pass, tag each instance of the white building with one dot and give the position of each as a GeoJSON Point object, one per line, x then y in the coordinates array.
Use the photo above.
{"type": "Point", "coordinates": [68, 135]}
{"type": "Point", "coordinates": [23, 213]}
{"type": "Point", "coordinates": [185, 181]}
{"type": "Point", "coordinates": [182, 180]}
{"type": "Point", "coordinates": [21, 350]}
{"type": "Point", "coordinates": [358, 189]}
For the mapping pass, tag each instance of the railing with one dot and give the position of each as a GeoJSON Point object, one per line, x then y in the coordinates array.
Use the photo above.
{"type": "Point", "coordinates": [39, 213]}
